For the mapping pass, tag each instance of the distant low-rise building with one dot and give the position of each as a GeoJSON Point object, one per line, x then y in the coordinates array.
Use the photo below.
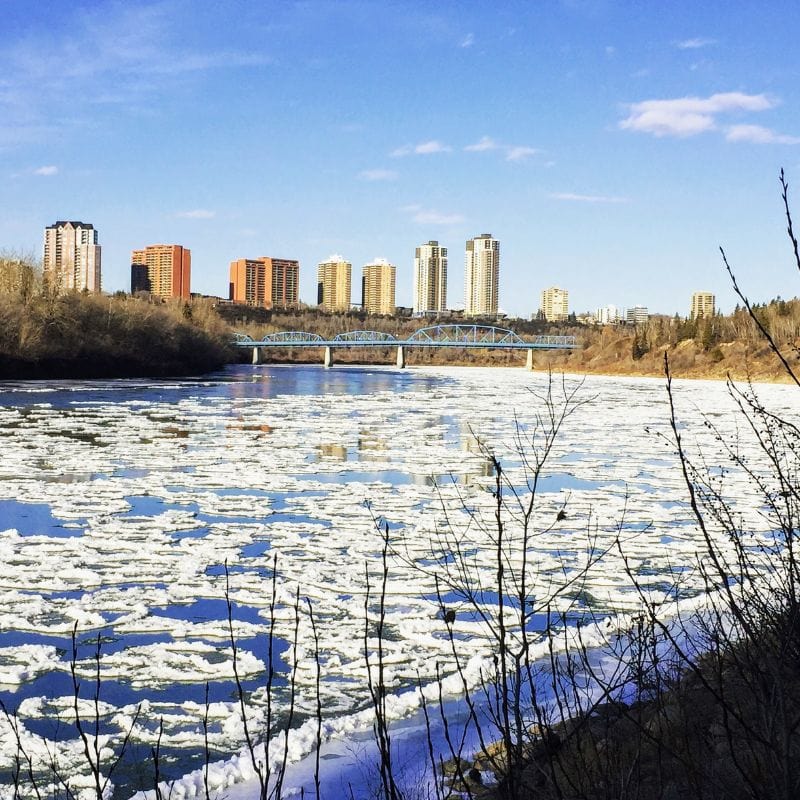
{"type": "Point", "coordinates": [637, 315]}
{"type": "Point", "coordinates": [71, 257]}
{"type": "Point", "coordinates": [333, 284]}
{"type": "Point", "coordinates": [703, 305]}
{"type": "Point", "coordinates": [608, 315]}
{"type": "Point", "coordinates": [378, 287]}
{"type": "Point", "coordinates": [265, 282]}
{"type": "Point", "coordinates": [163, 270]}
{"type": "Point", "coordinates": [554, 304]}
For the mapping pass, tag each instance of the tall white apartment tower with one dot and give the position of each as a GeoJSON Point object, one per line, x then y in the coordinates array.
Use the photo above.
{"type": "Point", "coordinates": [481, 276]}
{"type": "Point", "coordinates": [71, 257]}
{"type": "Point", "coordinates": [430, 278]}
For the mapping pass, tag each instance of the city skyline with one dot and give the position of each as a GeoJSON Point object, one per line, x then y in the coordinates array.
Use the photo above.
{"type": "Point", "coordinates": [71, 260]}
{"type": "Point", "coordinates": [621, 145]}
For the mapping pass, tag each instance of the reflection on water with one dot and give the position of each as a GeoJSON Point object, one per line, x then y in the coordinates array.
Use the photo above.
{"type": "Point", "coordinates": [337, 452]}
{"type": "Point", "coordinates": [372, 445]}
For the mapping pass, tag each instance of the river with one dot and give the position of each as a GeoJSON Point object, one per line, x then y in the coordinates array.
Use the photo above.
{"type": "Point", "coordinates": [124, 503]}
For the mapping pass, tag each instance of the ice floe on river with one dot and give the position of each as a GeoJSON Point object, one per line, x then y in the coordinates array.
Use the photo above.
{"type": "Point", "coordinates": [122, 505]}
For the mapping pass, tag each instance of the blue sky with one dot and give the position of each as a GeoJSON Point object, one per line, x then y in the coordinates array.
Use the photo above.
{"type": "Point", "coordinates": [612, 147]}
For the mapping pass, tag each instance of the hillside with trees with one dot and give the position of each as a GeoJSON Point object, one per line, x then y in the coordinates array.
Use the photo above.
{"type": "Point", "coordinates": [712, 347]}
{"type": "Point", "coordinates": [81, 335]}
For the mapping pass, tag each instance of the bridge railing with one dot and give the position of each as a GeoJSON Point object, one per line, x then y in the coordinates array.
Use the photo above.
{"type": "Point", "coordinates": [364, 336]}
{"type": "Point", "coordinates": [465, 334]}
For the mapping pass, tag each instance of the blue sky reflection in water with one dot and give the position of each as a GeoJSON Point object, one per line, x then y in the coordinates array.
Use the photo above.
{"type": "Point", "coordinates": [260, 462]}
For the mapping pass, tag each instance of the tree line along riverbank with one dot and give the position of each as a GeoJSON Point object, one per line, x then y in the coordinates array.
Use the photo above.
{"type": "Point", "coordinates": [74, 335]}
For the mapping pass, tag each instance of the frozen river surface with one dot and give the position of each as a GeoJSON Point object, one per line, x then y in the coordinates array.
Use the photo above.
{"type": "Point", "coordinates": [121, 503]}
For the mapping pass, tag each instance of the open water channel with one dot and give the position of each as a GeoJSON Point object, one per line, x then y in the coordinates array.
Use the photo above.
{"type": "Point", "coordinates": [122, 502]}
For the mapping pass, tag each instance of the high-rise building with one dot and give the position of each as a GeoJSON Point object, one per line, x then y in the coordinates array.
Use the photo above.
{"type": "Point", "coordinates": [164, 270]}
{"type": "Point", "coordinates": [481, 276]}
{"type": "Point", "coordinates": [266, 282]}
{"type": "Point", "coordinates": [703, 305]}
{"type": "Point", "coordinates": [71, 257]}
{"type": "Point", "coordinates": [554, 304]}
{"type": "Point", "coordinates": [430, 278]}
{"type": "Point", "coordinates": [333, 284]}
{"type": "Point", "coordinates": [377, 287]}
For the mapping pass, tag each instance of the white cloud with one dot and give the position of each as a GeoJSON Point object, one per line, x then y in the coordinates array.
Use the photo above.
{"type": "Point", "coordinates": [588, 198]}
{"type": "Point", "coordinates": [46, 170]}
{"type": "Point", "coordinates": [428, 216]}
{"type": "Point", "coordinates": [421, 149]}
{"type": "Point", "coordinates": [468, 40]}
{"type": "Point", "coordinates": [197, 213]}
{"type": "Point", "coordinates": [695, 43]}
{"type": "Point", "coordinates": [611, 51]}
{"type": "Point", "coordinates": [378, 175]}
{"type": "Point", "coordinates": [482, 145]}
{"type": "Point", "coordinates": [756, 134]}
{"type": "Point", "coordinates": [520, 152]}
{"type": "Point", "coordinates": [689, 116]}
{"type": "Point", "coordinates": [432, 147]}
{"type": "Point", "coordinates": [513, 152]}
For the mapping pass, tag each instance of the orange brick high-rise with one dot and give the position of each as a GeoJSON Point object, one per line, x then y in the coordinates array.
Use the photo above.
{"type": "Point", "coordinates": [266, 282]}
{"type": "Point", "coordinates": [164, 270]}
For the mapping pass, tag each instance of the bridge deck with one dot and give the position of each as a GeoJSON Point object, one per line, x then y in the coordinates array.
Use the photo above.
{"type": "Point", "coordinates": [462, 336]}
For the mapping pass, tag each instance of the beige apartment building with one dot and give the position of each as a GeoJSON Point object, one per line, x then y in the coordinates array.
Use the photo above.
{"type": "Point", "coordinates": [377, 287]}
{"type": "Point", "coordinates": [703, 305]}
{"type": "Point", "coordinates": [333, 284]}
{"type": "Point", "coordinates": [555, 304]}
{"type": "Point", "coordinates": [164, 270]}
{"type": "Point", "coordinates": [265, 282]}
{"type": "Point", "coordinates": [481, 276]}
{"type": "Point", "coordinates": [430, 278]}
{"type": "Point", "coordinates": [71, 257]}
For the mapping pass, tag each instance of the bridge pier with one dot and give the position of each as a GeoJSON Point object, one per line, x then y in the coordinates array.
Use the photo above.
{"type": "Point", "coordinates": [256, 355]}
{"type": "Point", "coordinates": [529, 362]}
{"type": "Point", "coordinates": [401, 357]}
{"type": "Point", "coordinates": [328, 356]}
